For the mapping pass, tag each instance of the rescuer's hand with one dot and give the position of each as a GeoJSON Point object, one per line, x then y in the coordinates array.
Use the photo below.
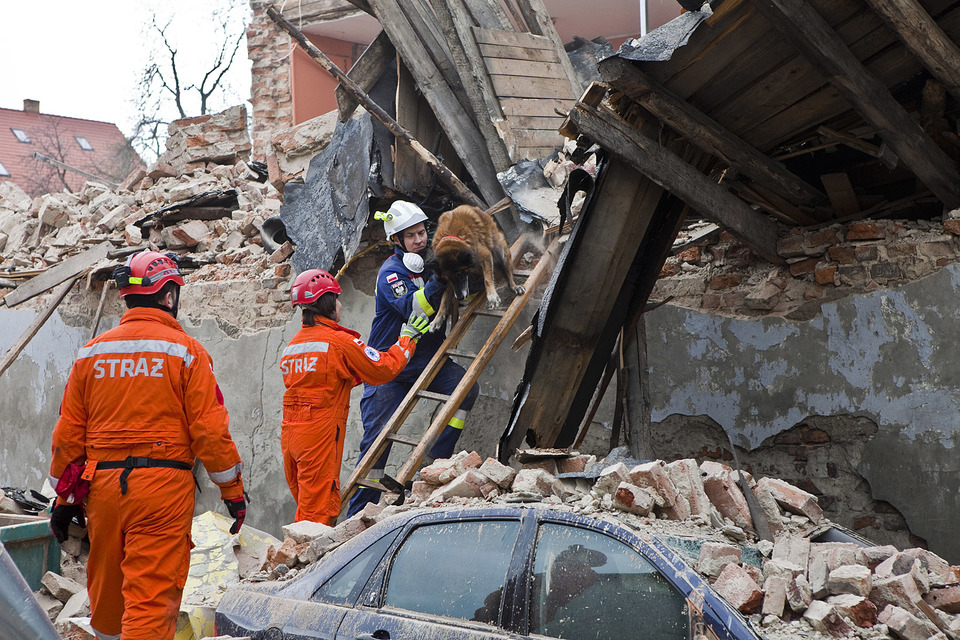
{"type": "Point", "coordinates": [61, 517]}
{"type": "Point", "coordinates": [415, 327]}
{"type": "Point", "coordinates": [238, 511]}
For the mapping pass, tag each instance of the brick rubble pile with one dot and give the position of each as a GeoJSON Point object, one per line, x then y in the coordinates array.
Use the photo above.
{"type": "Point", "coordinates": [801, 589]}
{"type": "Point", "coordinates": [205, 155]}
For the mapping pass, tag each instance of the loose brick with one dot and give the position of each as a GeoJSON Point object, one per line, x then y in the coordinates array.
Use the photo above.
{"type": "Point", "coordinates": [575, 464]}
{"type": "Point", "coordinates": [653, 475]}
{"type": "Point", "coordinates": [739, 589]}
{"type": "Point", "coordinates": [870, 557]}
{"type": "Point", "coordinates": [610, 478]}
{"type": "Point", "coordinates": [799, 595]}
{"type": "Point", "coordinates": [946, 599]}
{"type": "Point", "coordinates": [852, 578]}
{"type": "Point", "coordinates": [905, 625]}
{"type": "Point", "coordinates": [865, 231]}
{"type": "Point", "coordinates": [60, 587]}
{"type": "Point", "coordinates": [538, 482]}
{"type": "Point", "coordinates": [634, 499]}
{"type": "Point", "coordinates": [900, 591]}
{"type": "Point", "coordinates": [282, 253]}
{"type": "Point", "coordinates": [804, 267]}
{"type": "Point", "coordinates": [774, 596]}
{"type": "Point", "coordinates": [305, 531]}
{"type": "Point", "coordinates": [824, 618]}
{"type": "Point", "coordinates": [725, 495]}
{"type": "Point", "coordinates": [793, 499]}
{"type": "Point", "coordinates": [499, 473]}
{"type": "Point", "coordinates": [859, 610]}
{"type": "Point", "coordinates": [686, 477]}
{"type": "Point", "coordinates": [714, 556]}
{"type": "Point", "coordinates": [792, 550]}
{"type": "Point", "coordinates": [468, 485]}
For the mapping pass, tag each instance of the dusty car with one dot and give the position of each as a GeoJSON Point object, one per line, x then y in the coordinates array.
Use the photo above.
{"type": "Point", "coordinates": [491, 572]}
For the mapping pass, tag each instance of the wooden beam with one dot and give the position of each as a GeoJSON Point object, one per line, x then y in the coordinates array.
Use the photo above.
{"type": "Point", "coordinates": [462, 131]}
{"type": "Point", "coordinates": [41, 318]}
{"type": "Point", "coordinates": [365, 72]}
{"type": "Point", "coordinates": [924, 38]}
{"type": "Point", "coordinates": [455, 23]}
{"type": "Point", "coordinates": [448, 178]}
{"type": "Point", "coordinates": [707, 134]}
{"type": "Point", "coordinates": [669, 171]}
{"type": "Point", "coordinates": [800, 23]}
{"type": "Point", "coordinates": [56, 274]}
{"type": "Point", "coordinates": [427, 31]}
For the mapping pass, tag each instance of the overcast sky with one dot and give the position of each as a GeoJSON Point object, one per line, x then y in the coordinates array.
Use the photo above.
{"type": "Point", "coordinates": [83, 59]}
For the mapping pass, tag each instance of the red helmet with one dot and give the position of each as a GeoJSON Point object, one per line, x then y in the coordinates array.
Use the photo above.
{"type": "Point", "coordinates": [146, 272]}
{"type": "Point", "coordinates": [310, 285]}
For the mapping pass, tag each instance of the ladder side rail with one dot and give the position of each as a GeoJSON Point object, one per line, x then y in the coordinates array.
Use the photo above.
{"type": "Point", "coordinates": [412, 465]}
{"type": "Point", "coordinates": [409, 401]}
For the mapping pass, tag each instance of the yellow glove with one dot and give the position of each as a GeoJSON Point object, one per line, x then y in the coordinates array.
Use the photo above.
{"type": "Point", "coordinates": [415, 326]}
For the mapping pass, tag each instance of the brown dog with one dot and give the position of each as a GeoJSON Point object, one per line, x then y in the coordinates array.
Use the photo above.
{"type": "Point", "coordinates": [469, 243]}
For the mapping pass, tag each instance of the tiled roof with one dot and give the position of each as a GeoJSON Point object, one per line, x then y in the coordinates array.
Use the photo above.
{"type": "Point", "coordinates": [56, 137]}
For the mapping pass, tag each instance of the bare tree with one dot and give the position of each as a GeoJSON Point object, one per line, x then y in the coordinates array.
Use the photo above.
{"type": "Point", "coordinates": [171, 86]}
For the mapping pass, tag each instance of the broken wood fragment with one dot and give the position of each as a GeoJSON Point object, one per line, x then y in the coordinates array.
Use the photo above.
{"type": "Point", "coordinates": [59, 273]}
{"type": "Point", "coordinates": [365, 72]}
{"type": "Point", "coordinates": [453, 182]}
{"type": "Point", "coordinates": [668, 170]}
{"type": "Point", "coordinates": [38, 322]}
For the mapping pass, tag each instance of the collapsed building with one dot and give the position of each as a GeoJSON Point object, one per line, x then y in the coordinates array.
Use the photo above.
{"type": "Point", "coordinates": [803, 325]}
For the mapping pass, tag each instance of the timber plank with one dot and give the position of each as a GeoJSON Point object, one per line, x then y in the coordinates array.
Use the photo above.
{"type": "Point", "coordinates": [523, 87]}
{"type": "Point", "coordinates": [513, 39]}
{"type": "Point", "coordinates": [525, 68]}
{"type": "Point", "coordinates": [56, 274]}
{"type": "Point", "coordinates": [365, 72]}
{"type": "Point", "coordinates": [545, 123]}
{"type": "Point", "coordinates": [489, 15]}
{"type": "Point", "coordinates": [535, 108]}
{"type": "Point", "coordinates": [517, 53]}
{"type": "Point", "coordinates": [814, 37]}
{"type": "Point", "coordinates": [537, 138]}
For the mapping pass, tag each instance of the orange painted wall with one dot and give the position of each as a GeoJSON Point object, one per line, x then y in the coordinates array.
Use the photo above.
{"type": "Point", "coordinates": [312, 87]}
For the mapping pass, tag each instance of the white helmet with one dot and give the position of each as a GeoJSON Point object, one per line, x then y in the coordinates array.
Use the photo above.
{"type": "Point", "coordinates": [401, 215]}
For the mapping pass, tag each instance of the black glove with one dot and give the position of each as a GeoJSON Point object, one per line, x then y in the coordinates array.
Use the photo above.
{"type": "Point", "coordinates": [238, 511]}
{"type": "Point", "coordinates": [60, 519]}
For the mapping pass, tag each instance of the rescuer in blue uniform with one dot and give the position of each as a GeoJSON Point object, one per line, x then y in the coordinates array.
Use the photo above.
{"type": "Point", "coordinates": [405, 286]}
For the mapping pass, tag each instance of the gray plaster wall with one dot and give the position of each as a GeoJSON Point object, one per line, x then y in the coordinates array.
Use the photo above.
{"type": "Point", "coordinates": [891, 357]}
{"type": "Point", "coordinates": [247, 367]}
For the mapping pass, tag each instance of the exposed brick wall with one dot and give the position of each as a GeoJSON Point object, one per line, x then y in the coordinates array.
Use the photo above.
{"type": "Point", "coordinates": [821, 265]}
{"type": "Point", "coordinates": [268, 47]}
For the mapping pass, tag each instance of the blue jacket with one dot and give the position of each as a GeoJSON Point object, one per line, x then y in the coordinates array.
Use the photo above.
{"type": "Point", "coordinates": [397, 296]}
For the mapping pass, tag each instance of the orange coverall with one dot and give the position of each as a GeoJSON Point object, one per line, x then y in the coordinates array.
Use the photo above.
{"type": "Point", "coordinates": [320, 366]}
{"type": "Point", "coordinates": [144, 389]}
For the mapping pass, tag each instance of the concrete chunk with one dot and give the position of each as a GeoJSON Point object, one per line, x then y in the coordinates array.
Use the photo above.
{"type": "Point", "coordinates": [634, 499]}
{"type": "Point", "coordinates": [60, 587]}
{"type": "Point", "coordinates": [305, 531]}
{"type": "Point", "coordinates": [501, 474]}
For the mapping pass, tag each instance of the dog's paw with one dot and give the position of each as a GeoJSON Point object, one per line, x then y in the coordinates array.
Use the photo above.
{"type": "Point", "coordinates": [519, 289]}
{"type": "Point", "coordinates": [437, 326]}
{"type": "Point", "coordinates": [493, 301]}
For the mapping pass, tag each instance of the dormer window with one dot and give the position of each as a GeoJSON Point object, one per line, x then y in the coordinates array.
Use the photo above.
{"type": "Point", "coordinates": [3, 170]}
{"type": "Point", "coordinates": [21, 135]}
{"type": "Point", "coordinates": [86, 146]}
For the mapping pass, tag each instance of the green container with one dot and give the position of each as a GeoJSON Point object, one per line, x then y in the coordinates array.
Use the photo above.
{"type": "Point", "coordinates": [31, 546]}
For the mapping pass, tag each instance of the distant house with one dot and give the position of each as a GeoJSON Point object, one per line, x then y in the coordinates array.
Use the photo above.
{"type": "Point", "coordinates": [97, 149]}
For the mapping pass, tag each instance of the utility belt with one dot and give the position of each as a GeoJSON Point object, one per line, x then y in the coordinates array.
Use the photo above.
{"type": "Point", "coordinates": [133, 462]}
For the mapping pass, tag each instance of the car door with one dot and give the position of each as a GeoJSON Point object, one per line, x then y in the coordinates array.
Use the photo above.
{"type": "Point", "coordinates": [586, 585]}
{"type": "Point", "coordinates": [445, 580]}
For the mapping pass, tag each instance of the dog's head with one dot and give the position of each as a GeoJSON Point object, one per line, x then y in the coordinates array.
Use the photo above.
{"type": "Point", "coordinates": [461, 267]}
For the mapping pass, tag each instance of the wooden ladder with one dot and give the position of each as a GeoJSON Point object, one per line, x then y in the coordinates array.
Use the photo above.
{"type": "Point", "coordinates": [418, 391]}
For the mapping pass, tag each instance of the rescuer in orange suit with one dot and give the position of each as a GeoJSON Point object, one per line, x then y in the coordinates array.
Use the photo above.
{"type": "Point", "coordinates": [320, 366]}
{"type": "Point", "coordinates": [140, 405]}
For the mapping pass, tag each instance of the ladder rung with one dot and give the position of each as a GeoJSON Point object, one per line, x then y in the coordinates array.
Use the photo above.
{"type": "Point", "coordinates": [522, 273]}
{"type": "Point", "coordinates": [429, 395]}
{"type": "Point", "coordinates": [496, 313]}
{"type": "Point", "coordinates": [461, 354]}
{"type": "Point", "coordinates": [403, 440]}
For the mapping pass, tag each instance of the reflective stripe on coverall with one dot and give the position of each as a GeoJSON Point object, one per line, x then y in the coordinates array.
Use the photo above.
{"type": "Point", "coordinates": [320, 366]}
{"type": "Point", "coordinates": [145, 389]}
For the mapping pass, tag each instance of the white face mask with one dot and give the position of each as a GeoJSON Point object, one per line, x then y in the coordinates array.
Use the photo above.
{"type": "Point", "coordinates": [413, 262]}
